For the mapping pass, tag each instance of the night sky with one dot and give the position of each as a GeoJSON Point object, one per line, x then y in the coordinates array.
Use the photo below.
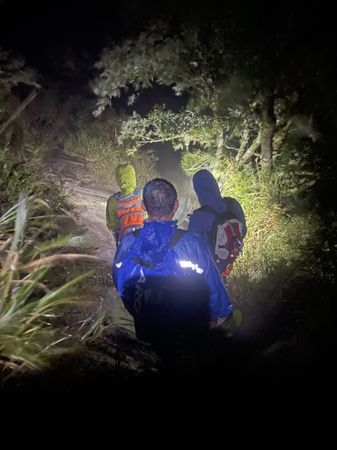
{"type": "Point", "coordinates": [48, 33]}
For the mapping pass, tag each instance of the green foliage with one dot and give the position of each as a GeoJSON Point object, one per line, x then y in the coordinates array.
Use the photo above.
{"type": "Point", "coordinates": [182, 130]}
{"type": "Point", "coordinates": [224, 87]}
{"type": "Point", "coordinates": [232, 103]}
{"type": "Point", "coordinates": [13, 70]}
{"type": "Point", "coordinates": [153, 56]}
{"type": "Point", "coordinates": [24, 171]}
{"type": "Point", "coordinates": [296, 174]}
{"type": "Point", "coordinates": [189, 63]}
{"type": "Point", "coordinates": [24, 143]}
{"type": "Point", "coordinates": [30, 297]}
{"type": "Point", "coordinates": [275, 238]}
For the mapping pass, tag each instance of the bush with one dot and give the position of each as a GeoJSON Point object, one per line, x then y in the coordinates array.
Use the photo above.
{"type": "Point", "coordinates": [276, 238]}
{"type": "Point", "coordinates": [22, 170]}
{"type": "Point", "coordinates": [31, 296]}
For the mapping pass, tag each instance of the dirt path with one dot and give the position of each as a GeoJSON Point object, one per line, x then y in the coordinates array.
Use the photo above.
{"type": "Point", "coordinates": [88, 200]}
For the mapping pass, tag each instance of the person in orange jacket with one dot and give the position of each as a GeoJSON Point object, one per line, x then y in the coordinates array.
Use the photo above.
{"type": "Point", "coordinates": [124, 209]}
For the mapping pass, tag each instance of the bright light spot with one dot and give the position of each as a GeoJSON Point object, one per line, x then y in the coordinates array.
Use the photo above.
{"type": "Point", "coordinates": [190, 265]}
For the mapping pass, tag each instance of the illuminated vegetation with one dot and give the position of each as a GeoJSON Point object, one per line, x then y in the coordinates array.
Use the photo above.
{"type": "Point", "coordinates": [31, 294]}
{"type": "Point", "coordinates": [40, 280]}
{"type": "Point", "coordinates": [97, 141]}
{"type": "Point", "coordinates": [239, 123]}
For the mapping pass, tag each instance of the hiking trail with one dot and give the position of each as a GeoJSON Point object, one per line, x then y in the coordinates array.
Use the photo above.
{"type": "Point", "coordinates": [87, 201]}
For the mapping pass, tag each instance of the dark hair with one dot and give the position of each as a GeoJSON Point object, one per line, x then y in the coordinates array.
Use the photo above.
{"type": "Point", "coordinates": [159, 197]}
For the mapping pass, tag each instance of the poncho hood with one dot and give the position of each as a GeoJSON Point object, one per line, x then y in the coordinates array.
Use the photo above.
{"type": "Point", "coordinates": [207, 190]}
{"type": "Point", "coordinates": [126, 178]}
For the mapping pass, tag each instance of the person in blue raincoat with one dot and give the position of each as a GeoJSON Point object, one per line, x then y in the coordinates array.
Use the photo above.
{"type": "Point", "coordinates": [167, 278]}
{"type": "Point", "coordinates": [208, 193]}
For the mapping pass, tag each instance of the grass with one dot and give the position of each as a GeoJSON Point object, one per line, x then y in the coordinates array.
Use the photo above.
{"type": "Point", "coordinates": [30, 298]}
{"type": "Point", "coordinates": [279, 244]}
{"type": "Point", "coordinates": [98, 143]}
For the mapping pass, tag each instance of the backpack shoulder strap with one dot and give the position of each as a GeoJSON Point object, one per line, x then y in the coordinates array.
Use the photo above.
{"type": "Point", "coordinates": [177, 235]}
{"type": "Point", "coordinates": [207, 208]}
{"type": "Point", "coordinates": [223, 214]}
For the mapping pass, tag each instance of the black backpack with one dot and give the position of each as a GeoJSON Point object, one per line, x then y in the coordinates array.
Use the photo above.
{"type": "Point", "coordinates": [165, 303]}
{"type": "Point", "coordinates": [225, 237]}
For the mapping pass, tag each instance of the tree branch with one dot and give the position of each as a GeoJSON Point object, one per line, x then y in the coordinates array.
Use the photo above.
{"type": "Point", "coordinates": [163, 139]}
{"type": "Point", "coordinates": [18, 110]}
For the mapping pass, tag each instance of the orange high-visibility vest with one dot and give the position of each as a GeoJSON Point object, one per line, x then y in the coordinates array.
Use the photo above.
{"type": "Point", "coordinates": [130, 213]}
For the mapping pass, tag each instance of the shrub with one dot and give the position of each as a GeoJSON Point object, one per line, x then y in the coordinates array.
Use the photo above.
{"type": "Point", "coordinates": [30, 294]}
{"type": "Point", "coordinates": [276, 239]}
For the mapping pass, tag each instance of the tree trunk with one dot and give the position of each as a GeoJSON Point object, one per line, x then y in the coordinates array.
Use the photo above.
{"type": "Point", "coordinates": [267, 132]}
{"type": "Point", "coordinates": [243, 143]}
{"type": "Point", "coordinates": [251, 150]}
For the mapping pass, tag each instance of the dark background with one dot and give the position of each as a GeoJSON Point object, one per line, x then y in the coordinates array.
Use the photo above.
{"type": "Point", "coordinates": [47, 32]}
